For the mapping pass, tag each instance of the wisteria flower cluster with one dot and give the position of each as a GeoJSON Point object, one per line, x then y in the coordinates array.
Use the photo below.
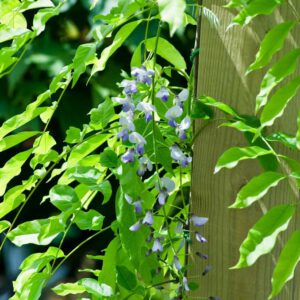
{"type": "Point", "coordinates": [142, 96]}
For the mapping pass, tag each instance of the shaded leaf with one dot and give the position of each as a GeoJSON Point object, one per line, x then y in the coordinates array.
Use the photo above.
{"type": "Point", "coordinates": [15, 139]}
{"type": "Point", "coordinates": [90, 220]}
{"type": "Point", "coordinates": [126, 278]}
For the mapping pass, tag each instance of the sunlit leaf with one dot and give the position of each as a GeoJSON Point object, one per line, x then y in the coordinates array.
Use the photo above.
{"type": "Point", "coordinates": [167, 51]}
{"type": "Point", "coordinates": [15, 139]}
{"type": "Point", "coordinates": [12, 168]}
{"type": "Point", "coordinates": [65, 289]}
{"type": "Point", "coordinates": [272, 42]}
{"type": "Point", "coordinates": [172, 12]}
{"type": "Point", "coordinates": [279, 71]}
{"type": "Point", "coordinates": [231, 157]}
{"type": "Point", "coordinates": [4, 225]}
{"type": "Point", "coordinates": [262, 236]}
{"type": "Point", "coordinates": [102, 115]}
{"type": "Point", "coordinates": [277, 104]}
{"type": "Point", "coordinates": [256, 188]}
{"type": "Point", "coordinates": [90, 220]}
{"type": "Point", "coordinates": [286, 264]}
{"type": "Point", "coordinates": [93, 287]}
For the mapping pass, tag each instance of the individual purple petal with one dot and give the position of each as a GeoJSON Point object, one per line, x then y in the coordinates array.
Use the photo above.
{"type": "Point", "coordinates": [127, 104]}
{"type": "Point", "coordinates": [140, 149]}
{"type": "Point", "coordinates": [198, 221]}
{"type": "Point", "coordinates": [174, 112]}
{"type": "Point", "coordinates": [186, 162]}
{"type": "Point", "coordinates": [162, 196]}
{"type": "Point", "coordinates": [128, 156]}
{"type": "Point", "coordinates": [128, 199]}
{"type": "Point", "coordinates": [185, 284]}
{"type": "Point", "coordinates": [172, 123]}
{"type": "Point", "coordinates": [157, 246]}
{"type": "Point", "coordinates": [126, 121]}
{"type": "Point", "coordinates": [147, 109]}
{"type": "Point", "coordinates": [129, 86]}
{"type": "Point", "coordinates": [148, 219]}
{"type": "Point", "coordinates": [163, 94]}
{"type": "Point", "coordinates": [206, 270]}
{"type": "Point", "coordinates": [200, 238]}
{"type": "Point", "coordinates": [123, 134]}
{"type": "Point", "coordinates": [135, 227]}
{"type": "Point", "coordinates": [179, 157]}
{"type": "Point", "coordinates": [181, 97]}
{"type": "Point", "coordinates": [168, 184]}
{"type": "Point", "coordinates": [177, 263]}
{"type": "Point", "coordinates": [138, 207]}
{"type": "Point", "coordinates": [145, 164]}
{"type": "Point", "coordinates": [182, 127]}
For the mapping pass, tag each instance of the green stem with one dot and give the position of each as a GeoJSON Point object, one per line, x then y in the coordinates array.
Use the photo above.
{"type": "Point", "coordinates": [77, 248]}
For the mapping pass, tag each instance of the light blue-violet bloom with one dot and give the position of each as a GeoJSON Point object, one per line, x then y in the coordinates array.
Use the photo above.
{"type": "Point", "coordinates": [182, 127]}
{"type": "Point", "coordinates": [144, 165]}
{"type": "Point", "coordinates": [165, 186]}
{"type": "Point", "coordinates": [128, 156]}
{"type": "Point", "coordinates": [129, 86]}
{"type": "Point", "coordinates": [143, 75]}
{"type": "Point", "coordinates": [173, 113]}
{"type": "Point", "coordinates": [147, 109]}
{"type": "Point", "coordinates": [198, 221]}
{"type": "Point", "coordinates": [139, 140]}
{"type": "Point", "coordinates": [148, 219]}
{"type": "Point", "coordinates": [163, 94]}
{"type": "Point", "coordinates": [127, 104]}
{"type": "Point", "coordinates": [181, 97]}
{"type": "Point", "coordinates": [179, 156]}
{"type": "Point", "coordinates": [157, 246]}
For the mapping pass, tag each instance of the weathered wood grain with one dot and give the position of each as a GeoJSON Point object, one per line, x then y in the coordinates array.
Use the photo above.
{"type": "Point", "coordinates": [223, 60]}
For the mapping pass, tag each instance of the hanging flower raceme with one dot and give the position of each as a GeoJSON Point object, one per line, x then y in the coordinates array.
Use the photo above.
{"type": "Point", "coordinates": [164, 186]}
{"type": "Point", "coordinates": [178, 155]}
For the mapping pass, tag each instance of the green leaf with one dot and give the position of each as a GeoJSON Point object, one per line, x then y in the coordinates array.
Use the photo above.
{"type": "Point", "coordinates": [280, 70]}
{"type": "Point", "coordinates": [277, 104]}
{"type": "Point", "coordinates": [237, 3]}
{"type": "Point", "coordinates": [15, 20]}
{"type": "Point", "coordinates": [12, 168]}
{"type": "Point", "coordinates": [38, 232]}
{"type": "Point", "coordinates": [286, 139]}
{"type": "Point", "coordinates": [90, 220]}
{"type": "Point", "coordinates": [41, 18]}
{"type": "Point", "coordinates": [231, 157]}
{"type": "Point", "coordinates": [172, 12]}
{"type": "Point", "coordinates": [262, 236]}
{"type": "Point", "coordinates": [219, 105]}
{"type": "Point", "coordinates": [85, 148]}
{"type": "Point", "coordinates": [4, 225]}
{"type": "Point", "coordinates": [126, 278]}
{"type": "Point", "coordinates": [14, 197]}
{"type": "Point", "coordinates": [86, 175]}
{"type": "Point", "coordinates": [109, 159]}
{"type": "Point", "coordinates": [93, 287]}
{"type": "Point", "coordinates": [286, 264]}
{"type": "Point", "coordinates": [84, 55]}
{"type": "Point", "coordinates": [31, 112]}
{"type": "Point", "coordinates": [26, 5]}
{"type": "Point", "coordinates": [255, 8]}
{"type": "Point", "coordinates": [272, 43]}
{"type": "Point", "coordinates": [119, 39]}
{"type": "Point", "coordinates": [64, 198]}
{"type": "Point", "coordinates": [167, 51]}
{"type": "Point", "coordinates": [7, 33]}
{"type": "Point", "coordinates": [73, 135]}
{"type": "Point", "coordinates": [136, 59]}
{"type": "Point", "coordinates": [240, 126]}
{"type": "Point", "coordinates": [102, 115]}
{"type": "Point", "coordinates": [256, 188]}
{"type": "Point", "coordinates": [15, 139]}
{"type": "Point", "coordinates": [37, 261]}
{"type": "Point", "coordinates": [43, 144]}
{"type": "Point", "coordinates": [65, 289]}
{"type": "Point", "coordinates": [106, 189]}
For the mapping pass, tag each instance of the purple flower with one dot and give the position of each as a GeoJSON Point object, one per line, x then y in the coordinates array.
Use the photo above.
{"type": "Point", "coordinates": [138, 207]}
{"type": "Point", "coordinates": [198, 221]}
{"type": "Point", "coordinates": [182, 127]}
{"type": "Point", "coordinates": [163, 94]}
{"type": "Point", "coordinates": [127, 104]}
{"type": "Point", "coordinates": [200, 238]}
{"type": "Point", "coordinates": [157, 246]}
{"type": "Point", "coordinates": [126, 121]}
{"type": "Point", "coordinates": [201, 255]}
{"type": "Point", "coordinates": [123, 134]}
{"type": "Point", "coordinates": [165, 187]}
{"type": "Point", "coordinates": [181, 97]}
{"type": "Point", "coordinates": [129, 86]}
{"type": "Point", "coordinates": [176, 263]}
{"type": "Point", "coordinates": [147, 109]}
{"type": "Point", "coordinates": [145, 164]}
{"type": "Point", "coordinates": [173, 113]}
{"type": "Point", "coordinates": [148, 219]}
{"type": "Point", "coordinates": [143, 75]}
{"type": "Point", "coordinates": [185, 284]}
{"type": "Point", "coordinates": [179, 157]}
{"type": "Point", "coordinates": [135, 227]}
{"type": "Point", "coordinates": [139, 140]}
{"type": "Point", "coordinates": [128, 156]}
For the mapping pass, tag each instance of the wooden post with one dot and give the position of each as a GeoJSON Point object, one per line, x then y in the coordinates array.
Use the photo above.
{"type": "Point", "coordinates": [224, 57]}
